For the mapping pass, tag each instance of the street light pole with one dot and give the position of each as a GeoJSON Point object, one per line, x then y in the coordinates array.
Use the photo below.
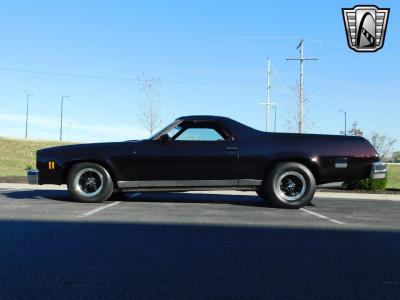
{"type": "Point", "coordinates": [27, 111]}
{"type": "Point", "coordinates": [345, 121]}
{"type": "Point", "coordinates": [62, 105]}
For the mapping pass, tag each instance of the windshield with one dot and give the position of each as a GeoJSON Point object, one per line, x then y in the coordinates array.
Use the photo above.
{"type": "Point", "coordinates": [173, 131]}
{"type": "Point", "coordinates": [164, 130]}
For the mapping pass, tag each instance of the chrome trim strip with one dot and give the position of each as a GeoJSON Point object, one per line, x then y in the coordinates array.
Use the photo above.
{"type": "Point", "coordinates": [188, 183]}
{"type": "Point", "coordinates": [175, 183]}
{"type": "Point", "coordinates": [249, 182]}
{"type": "Point", "coordinates": [186, 189]}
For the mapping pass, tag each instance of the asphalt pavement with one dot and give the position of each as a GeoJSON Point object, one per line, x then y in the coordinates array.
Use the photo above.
{"type": "Point", "coordinates": [196, 246]}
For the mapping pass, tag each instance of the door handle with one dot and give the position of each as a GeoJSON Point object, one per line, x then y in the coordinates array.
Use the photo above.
{"type": "Point", "coordinates": [231, 148]}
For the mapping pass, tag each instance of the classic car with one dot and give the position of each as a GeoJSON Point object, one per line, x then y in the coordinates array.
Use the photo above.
{"type": "Point", "coordinates": [210, 153]}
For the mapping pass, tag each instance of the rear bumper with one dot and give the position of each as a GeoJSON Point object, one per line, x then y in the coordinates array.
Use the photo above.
{"type": "Point", "coordinates": [33, 176]}
{"type": "Point", "coordinates": [378, 170]}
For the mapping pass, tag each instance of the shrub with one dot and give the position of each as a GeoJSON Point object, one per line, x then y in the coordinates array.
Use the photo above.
{"type": "Point", "coordinates": [366, 184]}
{"type": "Point", "coordinates": [28, 167]}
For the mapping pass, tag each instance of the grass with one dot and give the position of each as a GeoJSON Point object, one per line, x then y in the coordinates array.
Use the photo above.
{"type": "Point", "coordinates": [393, 177]}
{"type": "Point", "coordinates": [16, 155]}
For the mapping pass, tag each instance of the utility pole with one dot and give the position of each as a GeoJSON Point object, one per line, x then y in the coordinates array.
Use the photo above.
{"type": "Point", "coordinates": [275, 106]}
{"type": "Point", "coordinates": [61, 125]}
{"type": "Point", "coordinates": [28, 95]}
{"type": "Point", "coordinates": [268, 89]}
{"type": "Point", "coordinates": [300, 47]}
{"type": "Point", "coordinates": [345, 121]}
{"type": "Point", "coordinates": [268, 102]}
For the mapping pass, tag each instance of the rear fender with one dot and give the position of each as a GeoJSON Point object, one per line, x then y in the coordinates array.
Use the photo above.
{"type": "Point", "coordinates": [313, 164]}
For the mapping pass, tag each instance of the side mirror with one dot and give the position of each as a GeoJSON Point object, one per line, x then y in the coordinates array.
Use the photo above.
{"type": "Point", "coordinates": [164, 138]}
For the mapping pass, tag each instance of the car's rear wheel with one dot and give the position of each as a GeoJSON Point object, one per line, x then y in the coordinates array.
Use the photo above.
{"type": "Point", "coordinates": [89, 182]}
{"type": "Point", "coordinates": [290, 185]}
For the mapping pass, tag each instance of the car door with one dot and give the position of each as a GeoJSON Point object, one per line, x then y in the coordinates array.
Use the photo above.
{"type": "Point", "coordinates": [197, 154]}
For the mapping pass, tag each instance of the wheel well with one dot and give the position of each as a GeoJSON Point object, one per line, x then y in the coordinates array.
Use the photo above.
{"type": "Point", "coordinates": [313, 168]}
{"type": "Point", "coordinates": [67, 167]}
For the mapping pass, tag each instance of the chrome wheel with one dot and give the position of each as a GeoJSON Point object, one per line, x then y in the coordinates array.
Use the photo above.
{"type": "Point", "coordinates": [88, 182]}
{"type": "Point", "coordinates": [291, 186]}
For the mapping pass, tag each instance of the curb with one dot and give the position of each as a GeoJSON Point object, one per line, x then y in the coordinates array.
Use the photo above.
{"type": "Point", "coordinates": [318, 194]}
{"type": "Point", "coordinates": [27, 186]}
{"type": "Point", "coordinates": [357, 195]}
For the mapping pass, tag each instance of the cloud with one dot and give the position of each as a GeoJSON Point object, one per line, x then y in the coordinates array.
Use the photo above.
{"type": "Point", "coordinates": [40, 127]}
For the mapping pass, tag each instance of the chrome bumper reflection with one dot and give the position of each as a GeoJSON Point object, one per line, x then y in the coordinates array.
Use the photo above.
{"type": "Point", "coordinates": [33, 176]}
{"type": "Point", "coordinates": [378, 170]}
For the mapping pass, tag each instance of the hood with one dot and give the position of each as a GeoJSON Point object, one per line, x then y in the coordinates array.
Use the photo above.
{"type": "Point", "coordinates": [77, 146]}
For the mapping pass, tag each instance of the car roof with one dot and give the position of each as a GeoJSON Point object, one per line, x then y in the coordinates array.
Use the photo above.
{"type": "Point", "coordinates": [203, 117]}
{"type": "Point", "coordinates": [235, 127]}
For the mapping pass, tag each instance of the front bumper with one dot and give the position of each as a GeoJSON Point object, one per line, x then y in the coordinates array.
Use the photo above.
{"type": "Point", "coordinates": [33, 176]}
{"type": "Point", "coordinates": [378, 170]}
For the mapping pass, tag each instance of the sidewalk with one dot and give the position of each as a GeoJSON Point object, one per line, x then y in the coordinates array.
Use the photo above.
{"type": "Point", "coordinates": [26, 186]}
{"type": "Point", "coordinates": [361, 196]}
{"type": "Point", "coordinates": [319, 194]}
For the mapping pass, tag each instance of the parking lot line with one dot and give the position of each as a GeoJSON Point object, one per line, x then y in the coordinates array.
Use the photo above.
{"type": "Point", "coordinates": [322, 216]}
{"type": "Point", "coordinates": [96, 210]}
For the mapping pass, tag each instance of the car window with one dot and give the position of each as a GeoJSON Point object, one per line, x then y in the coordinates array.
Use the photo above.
{"type": "Point", "coordinates": [199, 134]}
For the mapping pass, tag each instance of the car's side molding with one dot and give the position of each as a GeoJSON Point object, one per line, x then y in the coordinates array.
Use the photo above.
{"type": "Point", "coordinates": [188, 183]}
{"type": "Point", "coordinates": [249, 182]}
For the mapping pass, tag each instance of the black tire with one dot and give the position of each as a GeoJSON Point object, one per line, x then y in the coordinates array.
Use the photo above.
{"type": "Point", "coordinates": [290, 185]}
{"type": "Point", "coordinates": [89, 182]}
{"type": "Point", "coordinates": [261, 193]}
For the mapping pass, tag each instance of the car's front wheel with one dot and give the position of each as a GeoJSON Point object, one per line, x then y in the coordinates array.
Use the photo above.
{"type": "Point", "coordinates": [89, 182]}
{"type": "Point", "coordinates": [290, 185]}
{"type": "Point", "coordinates": [261, 193]}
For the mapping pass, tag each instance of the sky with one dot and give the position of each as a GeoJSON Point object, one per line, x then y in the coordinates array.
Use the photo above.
{"type": "Point", "coordinates": [210, 57]}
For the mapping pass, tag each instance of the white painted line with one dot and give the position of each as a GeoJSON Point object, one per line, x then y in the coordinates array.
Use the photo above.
{"type": "Point", "coordinates": [96, 210]}
{"type": "Point", "coordinates": [322, 216]}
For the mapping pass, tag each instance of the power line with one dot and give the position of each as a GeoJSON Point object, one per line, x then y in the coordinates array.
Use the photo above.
{"type": "Point", "coordinates": [87, 76]}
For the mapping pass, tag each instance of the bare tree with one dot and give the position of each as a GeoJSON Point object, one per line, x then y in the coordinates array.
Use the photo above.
{"type": "Point", "coordinates": [149, 107]}
{"type": "Point", "coordinates": [382, 143]}
{"type": "Point", "coordinates": [396, 156]}
{"type": "Point", "coordinates": [293, 124]}
{"type": "Point", "coordinates": [355, 130]}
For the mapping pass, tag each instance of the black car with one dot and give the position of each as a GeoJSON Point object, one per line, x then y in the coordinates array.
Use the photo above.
{"type": "Point", "coordinates": [210, 153]}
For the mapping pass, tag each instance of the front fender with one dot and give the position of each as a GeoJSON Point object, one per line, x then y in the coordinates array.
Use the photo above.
{"type": "Point", "coordinates": [66, 167]}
